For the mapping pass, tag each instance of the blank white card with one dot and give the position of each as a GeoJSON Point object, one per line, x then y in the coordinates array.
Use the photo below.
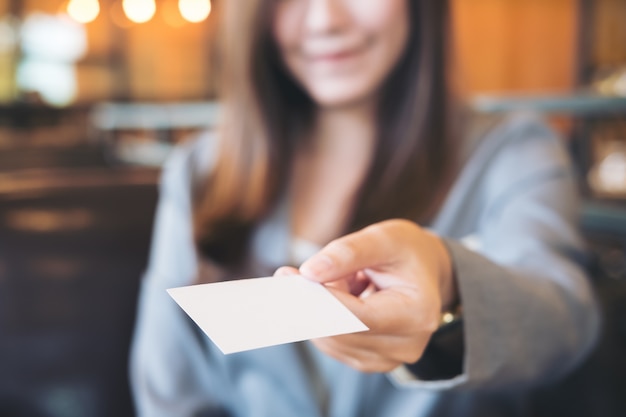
{"type": "Point", "coordinates": [260, 312]}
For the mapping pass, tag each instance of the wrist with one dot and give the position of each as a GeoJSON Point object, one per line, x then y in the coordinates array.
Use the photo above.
{"type": "Point", "coordinates": [448, 288]}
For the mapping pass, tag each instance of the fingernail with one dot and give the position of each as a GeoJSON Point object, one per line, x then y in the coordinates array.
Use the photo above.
{"type": "Point", "coordinates": [316, 266]}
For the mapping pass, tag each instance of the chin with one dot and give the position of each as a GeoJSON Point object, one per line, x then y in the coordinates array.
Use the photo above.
{"type": "Point", "coordinates": [339, 96]}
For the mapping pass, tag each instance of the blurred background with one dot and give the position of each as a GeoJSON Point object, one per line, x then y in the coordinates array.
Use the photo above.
{"type": "Point", "coordinates": [93, 95]}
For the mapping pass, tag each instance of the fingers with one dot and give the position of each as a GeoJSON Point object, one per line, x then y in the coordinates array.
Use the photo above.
{"type": "Point", "coordinates": [351, 285]}
{"type": "Point", "coordinates": [369, 353]}
{"type": "Point", "coordinates": [286, 270]}
{"type": "Point", "coordinates": [393, 312]}
{"type": "Point", "coordinates": [359, 359]}
{"type": "Point", "coordinates": [389, 275]}
{"type": "Point", "coordinates": [359, 284]}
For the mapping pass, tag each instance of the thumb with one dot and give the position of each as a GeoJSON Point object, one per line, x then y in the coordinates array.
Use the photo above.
{"type": "Point", "coordinates": [371, 247]}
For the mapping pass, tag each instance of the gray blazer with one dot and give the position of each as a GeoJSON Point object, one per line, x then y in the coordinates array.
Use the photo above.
{"type": "Point", "coordinates": [510, 223]}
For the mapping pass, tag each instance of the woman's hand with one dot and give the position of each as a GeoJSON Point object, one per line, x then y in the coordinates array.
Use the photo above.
{"type": "Point", "coordinates": [394, 276]}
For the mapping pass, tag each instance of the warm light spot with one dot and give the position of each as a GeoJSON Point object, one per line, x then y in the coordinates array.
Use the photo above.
{"type": "Point", "coordinates": [139, 11]}
{"type": "Point", "coordinates": [83, 11]}
{"type": "Point", "coordinates": [194, 10]}
{"type": "Point", "coordinates": [609, 175]}
{"type": "Point", "coordinates": [447, 318]}
{"type": "Point", "coordinates": [47, 221]}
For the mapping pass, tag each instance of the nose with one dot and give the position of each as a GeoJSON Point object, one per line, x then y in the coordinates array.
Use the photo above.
{"type": "Point", "coordinates": [325, 16]}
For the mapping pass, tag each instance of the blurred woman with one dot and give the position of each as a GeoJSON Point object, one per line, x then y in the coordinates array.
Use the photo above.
{"type": "Point", "coordinates": [342, 156]}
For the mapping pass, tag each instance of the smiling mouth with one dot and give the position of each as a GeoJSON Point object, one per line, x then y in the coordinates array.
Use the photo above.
{"type": "Point", "coordinates": [335, 57]}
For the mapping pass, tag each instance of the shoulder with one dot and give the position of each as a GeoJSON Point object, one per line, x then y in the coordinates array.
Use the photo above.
{"type": "Point", "coordinates": [516, 145]}
{"type": "Point", "coordinates": [196, 153]}
{"type": "Point", "coordinates": [188, 162]}
{"type": "Point", "coordinates": [507, 156]}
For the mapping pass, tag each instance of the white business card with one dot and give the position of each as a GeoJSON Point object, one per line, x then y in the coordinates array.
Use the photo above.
{"type": "Point", "coordinates": [260, 312]}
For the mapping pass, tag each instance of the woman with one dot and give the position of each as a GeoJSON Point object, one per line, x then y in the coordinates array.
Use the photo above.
{"type": "Point", "coordinates": [336, 154]}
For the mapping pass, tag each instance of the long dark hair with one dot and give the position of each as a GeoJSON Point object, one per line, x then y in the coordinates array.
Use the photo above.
{"type": "Point", "coordinates": [265, 114]}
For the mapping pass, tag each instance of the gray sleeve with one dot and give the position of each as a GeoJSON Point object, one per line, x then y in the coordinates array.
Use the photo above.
{"type": "Point", "coordinates": [529, 312]}
{"type": "Point", "coordinates": [171, 372]}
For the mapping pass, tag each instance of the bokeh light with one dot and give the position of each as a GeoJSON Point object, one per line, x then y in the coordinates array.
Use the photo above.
{"type": "Point", "coordinates": [139, 11]}
{"type": "Point", "coordinates": [50, 45]}
{"type": "Point", "coordinates": [83, 11]}
{"type": "Point", "coordinates": [194, 10]}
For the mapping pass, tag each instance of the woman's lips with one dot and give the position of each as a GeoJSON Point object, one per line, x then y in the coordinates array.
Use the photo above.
{"type": "Point", "coordinates": [337, 56]}
{"type": "Point", "coordinates": [334, 56]}
{"type": "Point", "coordinates": [334, 61]}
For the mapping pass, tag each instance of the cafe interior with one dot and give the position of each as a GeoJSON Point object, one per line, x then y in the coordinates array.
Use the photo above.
{"type": "Point", "coordinates": [94, 95]}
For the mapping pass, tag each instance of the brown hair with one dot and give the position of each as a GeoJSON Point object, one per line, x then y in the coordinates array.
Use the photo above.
{"type": "Point", "coordinates": [265, 114]}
